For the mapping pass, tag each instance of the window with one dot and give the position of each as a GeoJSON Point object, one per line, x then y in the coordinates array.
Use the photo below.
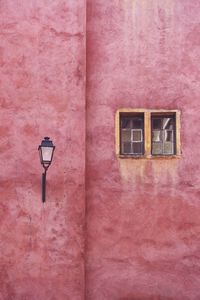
{"type": "Point", "coordinates": [163, 134]}
{"type": "Point", "coordinates": [147, 133]}
{"type": "Point", "coordinates": [132, 134]}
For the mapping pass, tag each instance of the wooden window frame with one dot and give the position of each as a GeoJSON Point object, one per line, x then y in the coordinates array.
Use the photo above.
{"type": "Point", "coordinates": [160, 116]}
{"type": "Point", "coordinates": [147, 132]}
{"type": "Point", "coordinates": [131, 117]}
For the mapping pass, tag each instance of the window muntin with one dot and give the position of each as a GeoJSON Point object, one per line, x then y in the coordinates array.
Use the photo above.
{"type": "Point", "coordinates": [163, 134]}
{"type": "Point", "coordinates": [132, 134]}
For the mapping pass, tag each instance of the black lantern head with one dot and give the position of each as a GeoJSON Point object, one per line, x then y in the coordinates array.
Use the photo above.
{"type": "Point", "coordinates": [46, 150]}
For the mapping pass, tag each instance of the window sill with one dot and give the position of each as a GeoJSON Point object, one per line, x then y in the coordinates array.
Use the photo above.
{"type": "Point", "coordinates": [149, 156]}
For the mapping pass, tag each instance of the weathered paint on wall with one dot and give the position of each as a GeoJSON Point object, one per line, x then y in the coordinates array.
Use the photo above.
{"type": "Point", "coordinates": [142, 215]}
{"type": "Point", "coordinates": [42, 92]}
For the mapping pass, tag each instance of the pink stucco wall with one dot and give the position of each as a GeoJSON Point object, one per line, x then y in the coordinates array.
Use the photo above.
{"type": "Point", "coordinates": [141, 240]}
{"type": "Point", "coordinates": [143, 216]}
{"type": "Point", "coordinates": [42, 93]}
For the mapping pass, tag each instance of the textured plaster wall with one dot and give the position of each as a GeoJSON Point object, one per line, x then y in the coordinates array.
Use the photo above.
{"type": "Point", "coordinates": [42, 92]}
{"type": "Point", "coordinates": [143, 220]}
{"type": "Point", "coordinates": [142, 215]}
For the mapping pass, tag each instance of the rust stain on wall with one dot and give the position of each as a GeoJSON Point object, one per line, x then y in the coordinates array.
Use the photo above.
{"type": "Point", "coordinates": [131, 169]}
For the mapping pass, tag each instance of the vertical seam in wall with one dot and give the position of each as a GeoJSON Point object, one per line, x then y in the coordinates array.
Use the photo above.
{"type": "Point", "coordinates": [85, 208]}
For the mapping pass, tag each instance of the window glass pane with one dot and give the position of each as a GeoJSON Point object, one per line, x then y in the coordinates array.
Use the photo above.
{"type": "Point", "coordinates": [137, 148]}
{"type": "Point", "coordinates": [137, 135]}
{"type": "Point", "coordinates": [157, 123]}
{"type": "Point", "coordinates": [168, 123]}
{"type": "Point", "coordinates": [156, 136]}
{"type": "Point", "coordinates": [157, 148]}
{"type": "Point", "coordinates": [126, 135]}
{"type": "Point", "coordinates": [126, 148]}
{"type": "Point", "coordinates": [132, 132]}
{"type": "Point", "coordinates": [168, 148]}
{"type": "Point", "coordinates": [168, 135]}
{"type": "Point", "coordinates": [137, 123]}
{"type": "Point", "coordinates": [163, 131]}
{"type": "Point", "coordinates": [126, 122]}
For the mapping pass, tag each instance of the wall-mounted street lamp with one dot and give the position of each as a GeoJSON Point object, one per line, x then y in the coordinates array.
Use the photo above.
{"type": "Point", "coordinates": [46, 150]}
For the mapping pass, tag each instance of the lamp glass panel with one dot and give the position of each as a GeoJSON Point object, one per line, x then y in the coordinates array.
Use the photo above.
{"type": "Point", "coordinates": [47, 154]}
